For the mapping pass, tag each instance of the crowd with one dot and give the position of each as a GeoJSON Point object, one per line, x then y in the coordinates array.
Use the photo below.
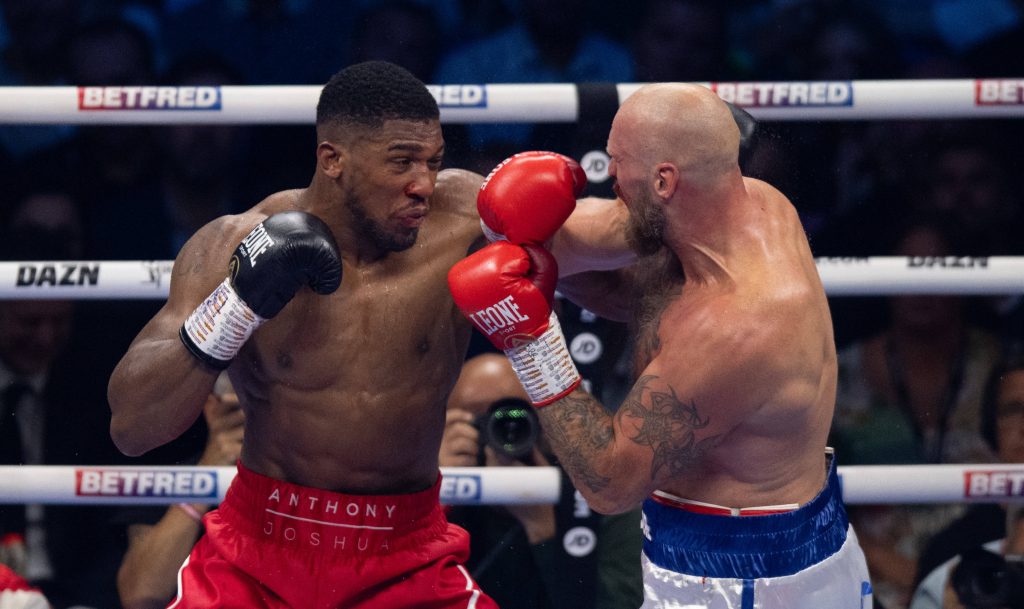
{"type": "Point", "coordinates": [915, 373]}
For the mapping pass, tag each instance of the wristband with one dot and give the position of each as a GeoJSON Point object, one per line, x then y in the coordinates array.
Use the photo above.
{"type": "Point", "coordinates": [191, 511]}
{"type": "Point", "coordinates": [219, 326]}
{"type": "Point", "coordinates": [544, 365]}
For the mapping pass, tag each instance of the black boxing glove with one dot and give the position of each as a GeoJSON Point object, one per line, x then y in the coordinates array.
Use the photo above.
{"type": "Point", "coordinates": [283, 253]}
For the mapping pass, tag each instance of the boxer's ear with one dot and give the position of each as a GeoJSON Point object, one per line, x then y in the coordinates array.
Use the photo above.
{"type": "Point", "coordinates": [330, 158]}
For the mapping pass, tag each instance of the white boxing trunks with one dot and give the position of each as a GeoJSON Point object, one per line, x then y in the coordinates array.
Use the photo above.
{"type": "Point", "coordinates": [807, 558]}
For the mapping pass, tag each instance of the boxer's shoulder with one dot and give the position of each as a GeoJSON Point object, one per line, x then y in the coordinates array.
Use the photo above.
{"type": "Point", "coordinates": [456, 191]}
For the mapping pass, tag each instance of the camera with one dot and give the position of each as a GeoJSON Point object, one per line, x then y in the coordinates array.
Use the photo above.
{"type": "Point", "coordinates": [984, 580]}
{"type": "Point", "coordinates": [510, 427]}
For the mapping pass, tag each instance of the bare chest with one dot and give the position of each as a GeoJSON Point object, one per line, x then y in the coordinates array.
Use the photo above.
{"type": "Point", "coordinates": [363, 334]}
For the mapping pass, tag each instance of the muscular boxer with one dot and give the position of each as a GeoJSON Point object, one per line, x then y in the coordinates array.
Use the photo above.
{"type": "Point", "coordinates": [329, 308]}
{"type": "Point", "coordinates": [723, 435]}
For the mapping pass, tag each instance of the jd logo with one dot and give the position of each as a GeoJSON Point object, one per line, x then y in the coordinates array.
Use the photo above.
{"type": "Point", "coordinates": [595, 165]}
{"type": "Point", "coordinates": [579, 541]}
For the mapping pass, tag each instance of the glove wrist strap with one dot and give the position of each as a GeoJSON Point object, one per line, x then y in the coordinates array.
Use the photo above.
{"type": "Point", "coordinates": [544, 366]}
{"type": "Point", "coordinates": [219, 326]}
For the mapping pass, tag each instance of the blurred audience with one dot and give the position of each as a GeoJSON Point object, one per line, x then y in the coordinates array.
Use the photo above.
{"type": "Point", "coordinates": [403, 32]}
{"type": "Point", "coordinates": [912, 393]}
{"type": "Point", "coordinates": [200, 165]}
{"type": "Point", "coordinates": [34, 53]}
{"type": "Point", "coordinates": [53, 412]}
{"type": "Point", "coordinates": [274, 42]}
{"type": "Point", "coordinates": [1003, 428]}
{"type": "Point", "coordinates": [547, 42]}
{"type": "Point", "coordinates": [683, 41]}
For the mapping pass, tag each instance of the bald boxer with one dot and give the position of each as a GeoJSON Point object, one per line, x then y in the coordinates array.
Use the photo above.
{"type": "Point", "coordinates": [329, 309]}
{"type": "Point", "coordinates": [723, 435]}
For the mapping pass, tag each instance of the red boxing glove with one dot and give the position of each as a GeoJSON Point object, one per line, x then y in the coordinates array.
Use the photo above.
{"type": "Point", "coordinates": [506, 291]}
{"type": "Point", "coordinates": [528, 196]}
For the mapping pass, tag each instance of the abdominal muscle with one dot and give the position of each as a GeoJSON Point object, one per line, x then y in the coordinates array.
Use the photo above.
{"type": "Point", "coordinates": [329, 442]}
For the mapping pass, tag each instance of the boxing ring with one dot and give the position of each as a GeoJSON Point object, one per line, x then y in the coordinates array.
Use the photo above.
{"type": "Point", "coordinates": [489, 103]}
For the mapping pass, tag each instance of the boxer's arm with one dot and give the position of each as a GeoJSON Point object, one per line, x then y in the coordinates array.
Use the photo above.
{"type": "Point", "coordinates": [593, 238]}
{"type": "Point", "coordinates": [158, 389]}
{"type": "Point", "coordinates": [595, 261]}
{"type": "Point", "coordinates": [663, 428]}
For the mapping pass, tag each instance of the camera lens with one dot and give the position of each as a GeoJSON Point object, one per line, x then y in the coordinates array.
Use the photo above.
{"type": "Point", "coordinates": [511, 428]}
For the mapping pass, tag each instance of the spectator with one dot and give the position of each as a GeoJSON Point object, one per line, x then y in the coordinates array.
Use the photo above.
{"type": "Point", "coordinates": [912, 393]}
{"type": "Point", "coordinates": [983, 523]}
{"type": "Point", "coordinates": [275, 42]}
{"type": "Point", "coordinates": [547, 43]}
{"type": "Point", "coordinates": [535, 556]}
{"type": "Point", "coordinates": [34, 53]}
{"type": "Point", "coordinates": [404, 32]}
{"type": "Point", "coordinates": [200, 165]}
{"type": "Point", "coordinates": [53, 413]}
{"type": "Point", "coordinates": [115, 166]}
{"type": "Point", "coordinates": [683, 41]}
{"type": "Point", "coordinates": [160, 540]}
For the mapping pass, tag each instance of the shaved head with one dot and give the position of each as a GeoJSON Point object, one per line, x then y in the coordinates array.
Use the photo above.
{"type": "Point", "coordinates": [683, 124]}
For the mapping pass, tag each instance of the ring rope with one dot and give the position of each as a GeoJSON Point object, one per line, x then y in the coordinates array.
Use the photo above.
{"type": "Point", "coordinates": [963, 98]}
{"type": "Point", "coordinates": [162, 485]}
{"type": "Point", "coordinates": [848, 276]}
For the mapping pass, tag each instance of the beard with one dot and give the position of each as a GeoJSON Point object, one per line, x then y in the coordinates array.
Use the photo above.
{"type": "Point", "coordinates": [646, 225]}
{"type": "Point", "coordinates": [381, 237]}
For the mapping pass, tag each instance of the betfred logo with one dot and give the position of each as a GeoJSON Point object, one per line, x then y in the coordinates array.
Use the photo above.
{"type": "Point", "coordinates": [149, 98]}
{"type": "Point", "coordinates": [459, 96]}
{"type": "Point", "coordinates": [179, 484]}
{"type": "Point", "coordinates": [457, 489]}
{"type": "Point", "coordinates": [785, 94]}
{"type": "Point", "coordinates": [999, 92]}
{"type": "Point", "coordinates": [998, 483]}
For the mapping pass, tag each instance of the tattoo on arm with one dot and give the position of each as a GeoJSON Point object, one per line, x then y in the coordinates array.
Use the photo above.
{"type": "Point", "coordinates": [579, 428]}
{"type": "Point", "coordinates": [665, 424]}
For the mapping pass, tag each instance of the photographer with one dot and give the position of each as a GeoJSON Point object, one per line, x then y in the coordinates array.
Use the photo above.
{"type": "Point", "coordinates": [985, 570]}
{"type": "Point", "coordinates": [536, 556]}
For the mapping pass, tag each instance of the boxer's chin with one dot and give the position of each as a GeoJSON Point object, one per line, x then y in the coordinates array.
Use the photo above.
{"type": "Point", "coordinates": [645, 228]}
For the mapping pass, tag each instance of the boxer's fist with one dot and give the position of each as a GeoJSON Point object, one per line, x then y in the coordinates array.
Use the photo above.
{"type": "Point", "coordinates": [283, 253]}
{"type": "Point", "coordinates": [506, 291]}
{"type": "Point", "coordinates": [528, 196]}
{"type": "Point", "coordinates": [498, 289]}
{"type": "Point", "coordinates": [277, 258]}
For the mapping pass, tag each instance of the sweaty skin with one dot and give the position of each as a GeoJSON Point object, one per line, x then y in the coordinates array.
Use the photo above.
{"type": "Point", "coordinates": [736, 366]}
{"type": "Point", "coordinates": [344, 392]}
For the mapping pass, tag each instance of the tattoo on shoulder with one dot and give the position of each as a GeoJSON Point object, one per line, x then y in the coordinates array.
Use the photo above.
{"type": "Point", "coordinates": [667, 425]}
{"type": "Point", "coordinates": [580, 429]}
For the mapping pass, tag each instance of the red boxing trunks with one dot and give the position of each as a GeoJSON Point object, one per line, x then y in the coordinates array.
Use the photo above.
{"type": "Point", "coordinates": [275, 544]}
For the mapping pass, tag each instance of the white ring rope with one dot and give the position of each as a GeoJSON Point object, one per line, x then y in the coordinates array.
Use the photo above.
{"type": "Point", "coordinates": [161, 485]}
{"type": "Point", "coordinates": [847, 276]}
{"type": "Point", "coordinates": [512, 103]}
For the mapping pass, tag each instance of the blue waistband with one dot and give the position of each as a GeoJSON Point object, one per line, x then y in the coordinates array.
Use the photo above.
{"type": "Point", "coordinates": [747, 547]}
